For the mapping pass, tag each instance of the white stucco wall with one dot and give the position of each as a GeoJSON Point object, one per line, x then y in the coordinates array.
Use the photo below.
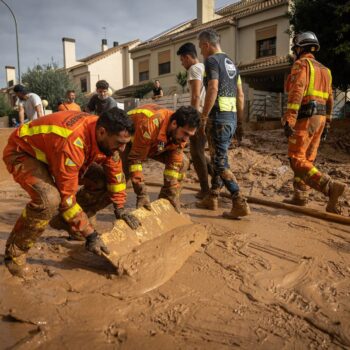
{"type": "Point", "coordinates": [246, 29]}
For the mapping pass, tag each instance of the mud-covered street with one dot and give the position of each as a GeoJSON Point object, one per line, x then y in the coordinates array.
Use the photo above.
{"type": "Point", "coordinates": [273, 280]}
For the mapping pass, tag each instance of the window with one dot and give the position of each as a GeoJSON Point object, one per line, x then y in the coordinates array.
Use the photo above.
{"type": "Point", "coordinates": [266, 41]}
{"type": "Point", "coordinates": [266, 47]}
{"type": "Point", "coordinates": [83, 85]}
{"type": "Point", "coordinates": [164, 62]}
{"type": "Point", "coordinates": [144, 70]}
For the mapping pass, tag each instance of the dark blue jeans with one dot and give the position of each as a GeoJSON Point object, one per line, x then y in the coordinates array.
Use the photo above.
{"type": "Point", "coordinates": [220, 130]}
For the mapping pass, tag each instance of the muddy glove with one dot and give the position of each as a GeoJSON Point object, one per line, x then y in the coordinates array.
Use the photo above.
{"type": "Point", "coordinates": [171, 196]}
{"type": "Point", "coordinates": [94, 244]}
{"type": "Point", "coordinates": [142, 198]}
{"type": "Point", "coordinates": [288, 130]}
{"type": "Point", "coordinates": [239, 131]}
{"type": "Point", "coordinates": [143, 201]}
{"type": "Point", "coordinates": [325, 131]}
{"type": "Point", "coordinates": [130, 219]}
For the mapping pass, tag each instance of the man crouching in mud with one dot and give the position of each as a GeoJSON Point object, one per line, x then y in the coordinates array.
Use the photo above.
{"type": "Point", "coordinates": [50, 157]}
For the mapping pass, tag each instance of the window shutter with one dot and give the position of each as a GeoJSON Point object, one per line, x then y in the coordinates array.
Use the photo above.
{"type": "Point", "coordinates": [164, 57]}
{"type": "Point", "coordinates": [266, 33]}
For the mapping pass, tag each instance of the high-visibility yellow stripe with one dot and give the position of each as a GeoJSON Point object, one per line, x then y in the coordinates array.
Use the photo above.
{"type": "Point", "coordinates": [72, 212]}
{"type": "Point", "coordinates": [116, 188]}
{"type": "Point", "coordinates": [227, 104]}
{"type": "Point", "coordinates": [40, 155]}
{"type": "Point", "coordinates": [311, 88]}
{"type": "Point", "coordinates": [27, 130]}
{"type": "Point", "coordinates": [135, 167]}
{"type": "Point", "coordinates": [146, 112]}
{"type": "Point", "coordinates": [173, 173]}
{"type": "Point", "coordinates": [293, 106]}
{"type": "Point", "coordinates": [312, 172]}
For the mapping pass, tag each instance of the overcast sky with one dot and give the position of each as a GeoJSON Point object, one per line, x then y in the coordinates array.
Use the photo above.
{"type": "Point", "coordinates": [43, 23]}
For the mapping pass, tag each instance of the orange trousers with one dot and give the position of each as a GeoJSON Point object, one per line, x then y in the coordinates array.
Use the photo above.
{"type": "Point", "coordinates": [302, 151]}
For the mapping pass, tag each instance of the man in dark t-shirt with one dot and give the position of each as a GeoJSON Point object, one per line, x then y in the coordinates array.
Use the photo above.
{"type": "Point", "coordinates": [157, 90]}
{"type": "Point", "coordinates": [101, 101]}
{"type": "Point", "coordinates": [222, 111]}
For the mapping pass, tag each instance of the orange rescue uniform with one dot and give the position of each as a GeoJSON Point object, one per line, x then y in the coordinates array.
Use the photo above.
{"type": "Point", "coordinates": [309, 87]}
{"type": "Point", "coordinates": [64, 143]}
{"type": "Point", "coordinates": [66, 106]}
{"type": "Point", "coordinates": [150, 141]}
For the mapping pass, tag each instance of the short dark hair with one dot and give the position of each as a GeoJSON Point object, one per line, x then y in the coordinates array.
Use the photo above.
{"type": "Point", "coordinates": [115, 120]}
{"type": "Point", "coordinates": [210, 35]}
{"type": "Point", "coordinates": [20, 88]}
{"type": "Point", "coordinates": [186, 115]}
{"type": "Point", "coordinates": [102, 84]}
{"type": "Point", "coordinates": [69, 91]}
{"type": "Point", "coordinates": [187, 49]}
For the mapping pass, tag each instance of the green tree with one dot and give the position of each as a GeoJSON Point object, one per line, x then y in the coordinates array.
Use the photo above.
{"type": "Point", "coordinates": [5, 107]}
{"type": "Point", "coordinates": [143, 90]}
{"type": "Point", "coordinates": [50, 83]}
{"type": "Point", "coordinates": [330, 21]}
{"type": "Point", "coordinates": [181, 79]}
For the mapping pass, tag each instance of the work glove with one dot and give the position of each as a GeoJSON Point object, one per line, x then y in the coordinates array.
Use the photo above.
{"type": "Point", "coordinates": [325, 131]}
{"type": "Point", "coordinates": [239, 131]}
{"type": "Point", "coordinates": [94, 244]}
{"type": "Point", "coordinates": [288, 130]}
{"type": "Point", "coordinates": [143, 201]}
{"type": "Point", "coordinates": [130, 219]}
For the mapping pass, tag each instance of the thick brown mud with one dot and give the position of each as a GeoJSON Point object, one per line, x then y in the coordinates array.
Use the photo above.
{"type": "Point", "coordinates": [273, 280]}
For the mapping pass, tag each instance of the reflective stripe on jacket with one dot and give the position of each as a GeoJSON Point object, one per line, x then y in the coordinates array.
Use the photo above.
{"type": "Point", "coordinates": [66, 142]}
{"type": "Point", "coordinates": [309, 81]}
{"type": "Point", "coordinates": [150, 140]}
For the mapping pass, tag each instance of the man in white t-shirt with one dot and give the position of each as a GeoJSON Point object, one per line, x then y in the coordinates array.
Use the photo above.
{"type": "Point", "coordinates": [195, 74]}
{"type": "Point", "coordinates": [29, 105]}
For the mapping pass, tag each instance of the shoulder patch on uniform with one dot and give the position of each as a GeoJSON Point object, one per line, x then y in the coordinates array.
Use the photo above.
{"type": "Point", "coordinates": [79, 142]}
{"type": "Point", "coordinates": [69, 200]}
{"type": "Point", "coordinates": [119, 177]}
{"type": "Point", "coordinates": [146, 135]}
{"type": "Point", "coordinates": [156, 122]}
{"type": "Point", "coordinates": [69, 162]}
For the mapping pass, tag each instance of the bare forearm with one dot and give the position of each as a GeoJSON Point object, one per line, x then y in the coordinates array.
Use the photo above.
{"type": "Point", "coordinates": [21, 116]}
{"type": "Point", "coordinates": [209, 102]}
{"type": "Point", "coordinates": [240, 108]}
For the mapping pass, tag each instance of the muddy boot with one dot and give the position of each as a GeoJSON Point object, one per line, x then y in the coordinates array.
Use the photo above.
{"type": "Point", "coordinates": [200, 194]}
{"type": "Point", "coordinates": [300, 198]}
{"type": "Point", "coordinates": [210, 202]}
{"type": "Point", "coordinates": [17, 265]}
{"type": "Point", "coordinates": [240, 207]}
{"type": "Point", "coordinates": [335, 190]}
{"type": "Point", "coordinates": [15, 258]}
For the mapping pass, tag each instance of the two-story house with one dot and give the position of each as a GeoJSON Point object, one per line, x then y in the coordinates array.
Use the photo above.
{"type": "Point", "coordinates": [112, 64]}
{"type": "Point", "coordinates": [254, 33]}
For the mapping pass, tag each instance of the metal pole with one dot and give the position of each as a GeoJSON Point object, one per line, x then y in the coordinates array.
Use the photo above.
{"type": "Point", "coordinates": [14, 18]}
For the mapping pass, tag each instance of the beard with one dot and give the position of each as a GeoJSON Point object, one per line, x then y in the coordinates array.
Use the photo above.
{"type": "Point", "coordinates": [104, 149]}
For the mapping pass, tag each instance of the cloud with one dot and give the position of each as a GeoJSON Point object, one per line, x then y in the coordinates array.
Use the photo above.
{"type": "Point", "coordinates": [43, 24]}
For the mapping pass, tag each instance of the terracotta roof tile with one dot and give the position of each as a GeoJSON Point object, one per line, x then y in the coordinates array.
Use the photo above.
{"type": "Point", "coordinates": [265, 63]}
{"type": "Point", "coordinates": [186, 31]}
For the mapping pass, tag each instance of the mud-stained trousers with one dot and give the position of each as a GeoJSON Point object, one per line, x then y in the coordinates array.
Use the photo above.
{"type": "Point", "coordinates": [34, 177]}
{"type": "Point", "coordinates": [199, 159]}
{"type": "Point", "coordinates": [302, 152]}
{"type": "Point", "coordinates": [220, 131]}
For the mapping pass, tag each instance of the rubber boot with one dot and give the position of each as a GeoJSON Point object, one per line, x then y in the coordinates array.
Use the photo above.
{"type": "Point", "coordinates": [23, 236]}
{"type": "Point", "coordinates": [335, 190]}
{"type": "Point", "coordinates": [200, 194]}
{"type": "Point", "coordinates": [15, 261]}
{"type": "Point", "coordinates": [210, 202]}
{"type": "Point", "coordinates": [240, 208]}
{"type": "Point", "coordinates": [300, 198]}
